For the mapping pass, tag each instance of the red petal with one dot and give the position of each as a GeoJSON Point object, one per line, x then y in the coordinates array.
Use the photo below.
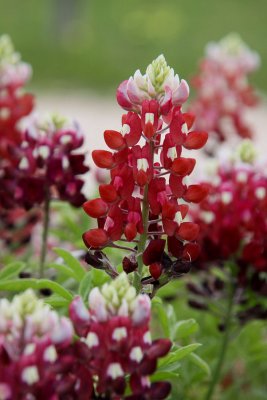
{"type": "Point", "coordinates": [195, 140]}
{"type": "Point", "coordinates": [95, 238]}
{"type": "Point", "coordinates": [95, 208]}
{"type": "Point", "coordinates": [154, 251]}
{"type": "Point", "coordinates": [188, 230]}
{"type": "Point", "coordinates": [183, 166]}
{"type": "Point", "coordinates": [108, 193]}
{"type": "Point", "coordinates": [191, 251]}
{"type": "Point", "coordinates": [155, 270]}
{"type": "Point", "coordinates": [114, 139]}
{"type": "Point", "coordinates": [130, 231]}
{"type": "Point", "coordinates": [103, 158]}
{"type": "Point", "coordinates": [196, 193]}
{"type": "Point", "coordinates": [189, 119]}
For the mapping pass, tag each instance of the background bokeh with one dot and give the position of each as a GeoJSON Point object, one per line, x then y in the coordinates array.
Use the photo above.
{"type": "Point", "coordinates": [97, 43]}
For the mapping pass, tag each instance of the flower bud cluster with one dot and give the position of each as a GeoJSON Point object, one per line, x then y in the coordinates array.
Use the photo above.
{"type": "Point", "coordinates": [233, 222]}
{"type": "Point", "coordinates": [35, 361]}
{"type": "Point", "coordinates": [223, 92]}
{"type": "Point", "coordinates": [44, 165]}
{"type": "Point", "coordinates": [116, 342]}
{"type": "Point", "coordinates": [14, 104]}
{"type": "Point", "coordinates": [147, 193]}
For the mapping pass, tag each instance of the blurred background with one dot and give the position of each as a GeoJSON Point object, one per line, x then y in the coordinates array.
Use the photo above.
{"type": "Point", "coordinates": [95, 44]}
{"type": "Point", "coordinates": [80, 50]}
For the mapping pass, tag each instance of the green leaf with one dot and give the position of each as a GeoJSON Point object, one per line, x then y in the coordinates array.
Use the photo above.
{"type": "Point", "coordinates": [86, 285]}
{"type": "Point", "coordinates": [162, 316]}
{"type": "Point", "coordinates": [178, 354]}
{"type": "Point", "coordinates": [36, 284]}
{"type": "Point", "coordinates": [64, 270]}
{"type": "Point", "coordinates": [11, 269]}
{"type": "Point", "coordinates": [99, 277]}
{"type": "Point", "coordinates": [185, 328]}
{"type": "Point", "coordinates": [169, 367]}
{"type": "Point", "coordinates": [71, 262]}
{"type": "Point", "coordinates": [56, 301]}
{"type": "Point", "coordinates": [163, 376]}
{"type": "Point", "coordinates": [200, 363]}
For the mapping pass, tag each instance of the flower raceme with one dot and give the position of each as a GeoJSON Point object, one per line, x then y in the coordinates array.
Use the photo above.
{"type": "Point", "coordinates": [223, 93]}
{"type": "Point", "coordinates": [45, 163]}
{"type": "Point", "coordinates": [14, 104]}
{"type": "Point", "coordinates": [115, 341]}
{"type": "Point", "coordinates": [147, 193]}
{"type": "Point", "coordinates": [233, 222]}
{"type": "Point", "coordinates": [35, 356]}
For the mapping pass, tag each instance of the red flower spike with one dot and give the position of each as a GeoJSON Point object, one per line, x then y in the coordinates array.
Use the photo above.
{"type": "Point", "coordinates": [103, 159]}
{"type": "Point", "coordinates": [108, 193]}
{"type": "Point", "coordinates": [95, 238]}
{"type": "Point", "coordinates": [114, 140]}
{"type": "Point", "coordinates": [183, 166]}
{"type": "Point", "coordinates": [177, 186]}
{"type": "Point", "coordinates": [188, 231]}
{"type": "Point", "coordinates": [196, 193]}
{"type": "Point", "coordinates": [155, 270]}
{"type": "Point", "coordinates": [95, 208]}
{"type": "Point", "coordinates": [195, 140]}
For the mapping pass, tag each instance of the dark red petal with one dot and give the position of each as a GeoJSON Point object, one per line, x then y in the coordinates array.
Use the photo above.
{"type": "Point", "coordinates": [195, 140]}
{"type": "Point", "coordinates": [196, 193]}
{"type": "Point", "coordinates": [95, 208]}
{"type": "Point", "coordinates": [159, 348]}
{"type": "Point", "coordinates": [191, 251]}
{"type": "Point", "coordinates": [160, 390]}
{"type": "Point", "coordinates": [155, 270]}
{"type": "Point", "coordinates": [183, 166]}
{"type": "Point", "coordinates": [188, 230]}
{"type": "Point", "coordinates": [95, 238]}
{"type": "Point", "coordinates": [114, 139]}
{"type": "Point", "coordinates": [153, 251]}
{"type": "Point", "coordinates": [103, 158]}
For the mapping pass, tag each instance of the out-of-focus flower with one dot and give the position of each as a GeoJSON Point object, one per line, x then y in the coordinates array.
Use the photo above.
{"type": "Point", "coordinates": [36, 353]}
{"type": "Point", "coordinates": [45, 164]}
{"type": "Point", "coordinates": [146, 195]}
{"type": "Point", "coordinates": [233, 222]}
{"type": "Point", "coordinates": [14, 104]}
{"type": "Point", "coordinates": [116, 342]}
{"type": "Point", "coordinates": [223, 93]}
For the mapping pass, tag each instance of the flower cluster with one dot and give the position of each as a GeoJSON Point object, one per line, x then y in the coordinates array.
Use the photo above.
{"type": "Point", "coordinates": [35, 352]}
{"type": "Point", "coordinates": [147, 194]}
{"type": "Point", "coordinates": [222, 89]}
{"type": "Point", "coordinates": [116, 343]}
{"type": "Point", "coordinates": [233, 222]}
{"type": "Point", "coordinates": [14, 104]}
{"type": "Point", "coordinates": [45, 165]}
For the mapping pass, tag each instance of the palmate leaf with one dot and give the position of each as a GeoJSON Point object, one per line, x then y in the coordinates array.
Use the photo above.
{"type": "Point", "coordinates": [12, 269]}
{"type": "Point", "coordinates": [71, 263]}
{"type": "Point", "coordinates": [36, 284]}
{"type": "Point", "coordinates": [185, 328]}
{"type": "Point", "coordinates": [85, 286]}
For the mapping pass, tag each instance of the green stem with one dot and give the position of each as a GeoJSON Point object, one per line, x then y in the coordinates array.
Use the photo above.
{"type": "Point", "coordinates": [224, 344]}
{"type": "Point", "coordinates": [142, 243]}
{"type": "Point", "coordinates": [45, 234]}
{"type": "Point", "coordinates": [143, 238]}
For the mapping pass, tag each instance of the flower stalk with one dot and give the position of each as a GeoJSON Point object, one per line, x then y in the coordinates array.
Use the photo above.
{"type": "Point", "coordinates": [224, 345]}
{"type": "Point", "coordinates": [44, 233]}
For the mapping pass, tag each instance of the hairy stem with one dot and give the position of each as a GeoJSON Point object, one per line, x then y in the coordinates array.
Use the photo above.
{"type": "Point", "coordinates": [45, 234]}
{"type": "Point", "coordinates": [224, 345]}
